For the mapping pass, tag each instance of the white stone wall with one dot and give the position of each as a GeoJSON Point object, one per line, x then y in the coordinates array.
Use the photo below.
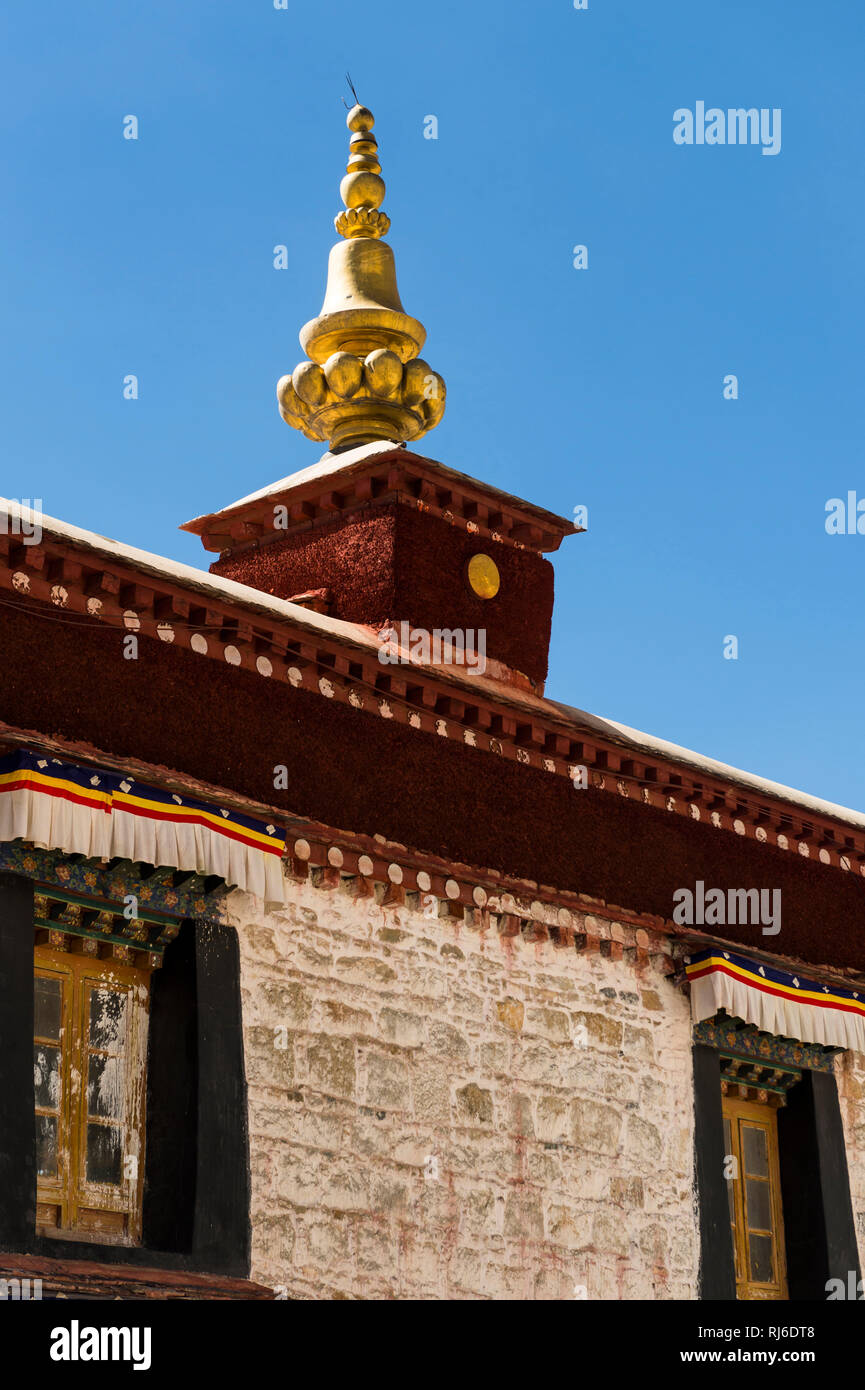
{"type": "Point", "coordinates": [850, 1077]}
{"type": "Point", "coordinates": [441, 1112]}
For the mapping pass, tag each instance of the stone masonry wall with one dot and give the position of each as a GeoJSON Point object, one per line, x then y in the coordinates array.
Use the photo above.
{"type": "Point", "coordinates": [850, 1078]}
{"type": "Point", "coordinates": [440, 1112]}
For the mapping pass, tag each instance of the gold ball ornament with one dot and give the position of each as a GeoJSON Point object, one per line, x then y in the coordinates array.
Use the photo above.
{"type": "Point", "coordinates": [383, 372]}
{"type": "Point", "coordinates": [364, 189]}
{"type": "Point", "coordinates": [360, 118]}
{"type": "Point", "coordinates": [344, 373]}
{"type": "Point", "coordinates": [416, 381]}
{"type": "Point", "coordinates": [309, 383]}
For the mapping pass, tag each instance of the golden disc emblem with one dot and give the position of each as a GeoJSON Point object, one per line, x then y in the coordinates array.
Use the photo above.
{"type": "Point", "coordinates": [483, 576]}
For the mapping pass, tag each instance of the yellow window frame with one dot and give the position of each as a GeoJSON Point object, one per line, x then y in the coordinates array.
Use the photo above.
{"type": "Point", "coordinates": [69, 1205]}
{"type": "Point", "coordinates": [740, 1117]}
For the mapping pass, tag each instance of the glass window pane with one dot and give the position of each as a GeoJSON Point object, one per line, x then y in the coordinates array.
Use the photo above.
{"type": "Point", "coordinates": [757, 1195]}
{"type": "Point", "coordinates": [755, 1155]}
{"type": "Point", "coordinates": [46, 1146]}
{"type": "Point", "coordinates": [108, 1019]}
{"type": "Point", "coordinates": [46, 1075]}
{"type": "Point", "coordinates": [761, 1259]}
{"type": "Point", "coordinates": [47, 1008]}
{"type": "Point", "coordinates": [105, 1081]}
{"type": "Point", "coordinates": [104, 1144]}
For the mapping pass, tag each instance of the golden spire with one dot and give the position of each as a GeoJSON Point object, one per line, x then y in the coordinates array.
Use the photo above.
{"type": "Point", "coordinates": [364, 380]}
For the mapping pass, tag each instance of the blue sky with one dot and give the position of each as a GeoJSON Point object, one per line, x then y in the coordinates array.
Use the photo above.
{"type": "Point", "coordinates": [601, 387]}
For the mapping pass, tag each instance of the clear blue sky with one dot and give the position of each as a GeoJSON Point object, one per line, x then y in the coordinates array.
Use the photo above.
{"type": "Point", "coordinates": [600, 387]}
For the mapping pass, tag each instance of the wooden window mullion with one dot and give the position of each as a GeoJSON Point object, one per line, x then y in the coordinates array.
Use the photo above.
{"type": "Point", "coordinates": [741, 1220]}
{"type": "Point", "coordinates": [68, 1110]}
{"type": "Point", "coordinates": [75, 1098]}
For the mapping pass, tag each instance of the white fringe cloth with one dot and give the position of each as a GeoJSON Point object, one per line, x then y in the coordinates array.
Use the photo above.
{"type": "Point", "coordinates": [775, 1001]}
{"type": "Point", "coordinates": [105, 815]}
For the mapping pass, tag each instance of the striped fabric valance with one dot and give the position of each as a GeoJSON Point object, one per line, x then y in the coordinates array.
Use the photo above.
{"type": "Point", "coordinates": [775, 1001]}
{"type": "Point", "coordinates": [106, 815]}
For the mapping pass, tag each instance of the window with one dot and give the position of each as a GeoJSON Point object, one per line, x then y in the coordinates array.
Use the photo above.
{"type": "Point", "coordinates": [150, 1075]}
{"type": "Point", "coordinates": [754, 1195]}
{"type": "Point", "coordinates": [89, 1065]}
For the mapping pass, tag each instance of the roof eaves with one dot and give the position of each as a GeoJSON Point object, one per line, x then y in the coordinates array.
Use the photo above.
{"type": "Point", "coordinates": [354, 461]}
{"type": "Point", "coordinates": [364, 639]}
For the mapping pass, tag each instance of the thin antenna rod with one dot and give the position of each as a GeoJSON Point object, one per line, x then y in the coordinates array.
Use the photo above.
{"type": "Point", "coordinates": [353, 92]}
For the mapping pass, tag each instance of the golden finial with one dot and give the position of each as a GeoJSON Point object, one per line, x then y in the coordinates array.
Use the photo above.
{"type": "Point", "coordinates": [364, 380]}
{"type": "Point", "coordinates": [362, 189]}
